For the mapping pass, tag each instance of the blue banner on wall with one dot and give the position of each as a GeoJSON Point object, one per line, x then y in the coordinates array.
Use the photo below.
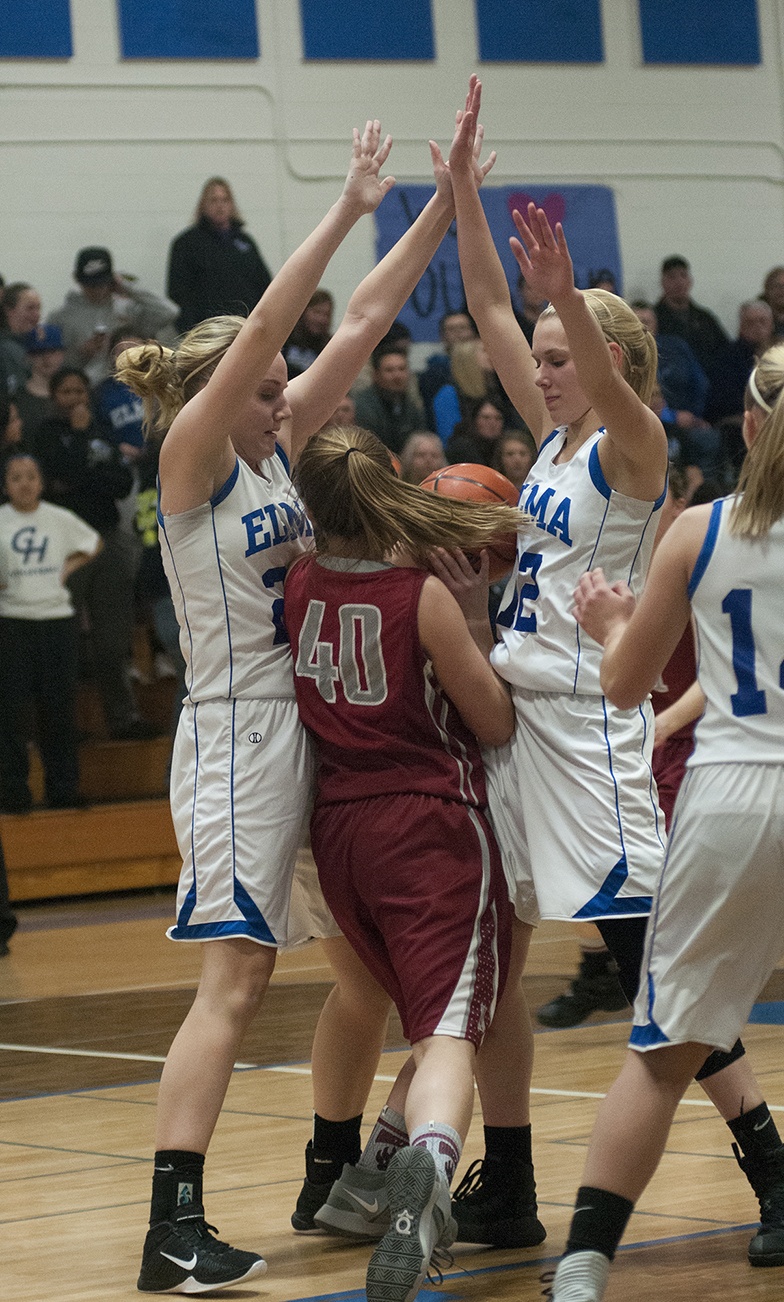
{"type": "Point", "coordinates": [540, 31]}
{"type": "Point", "coordinates": [700, 31]}
{"type": "Point", "coordinates": [188, 29]}
{"type": "Point", "coordinates": [586, 211]}
{"type": "Point", "coordinates": [354, 29]}
{"type": "Point", "coordinates": [35, 29]}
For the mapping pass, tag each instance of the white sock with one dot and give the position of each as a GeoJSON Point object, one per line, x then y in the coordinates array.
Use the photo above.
{"type": "Point", "coordinates": [444, 1145]}
{"type": "Point", "coordinates": [581, 1277]}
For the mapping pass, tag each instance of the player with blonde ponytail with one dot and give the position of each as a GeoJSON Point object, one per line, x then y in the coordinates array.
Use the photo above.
{"type": "Point", "coordinates": [718, 910]}
{"type": "Point", "coordinates": [230, 523]}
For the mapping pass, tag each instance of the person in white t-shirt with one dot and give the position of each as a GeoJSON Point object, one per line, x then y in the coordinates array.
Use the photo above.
{"type": "Point", "coordinates": [40, 547]}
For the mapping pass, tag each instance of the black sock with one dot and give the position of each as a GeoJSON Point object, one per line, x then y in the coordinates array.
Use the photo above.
{"type": "Point", "coordinates": [756, 1131]}
{"type": "Point", "coordinates": [176, 1181]}
{"type": "Point", "coordinates": [336, 1142]}
{"type": "Point", "coordinates": [598, 1222]}
{"type": "Point", "coordinates": [508, 1145]}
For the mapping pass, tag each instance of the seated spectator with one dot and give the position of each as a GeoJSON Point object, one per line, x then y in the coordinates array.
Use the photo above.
{"type": "Point", "coordinates": [473, 377]}
{"type": "Point", "coordinates": [682, 388]}
{"type": "Point", "coordinates": [102, 303]}
{"type": "Point", "coordinates": [19, 314]}
{"type": "Point", "coordinates": [84, 472]}
{"type": "Point", "coordinates": [421, 454]}
{"type": "Point", "coordinates": [679, 315]}
{"type": "Point", "coordinates": [11, 432]}
{"type": "Point", "coordinates": [513, 455]}
{"type": "Point", "coordinates": [475, 438]}
{"type": "Point", "coordinates": [45, 355]}
{"type": "Point", "coordinates": [453, 328]}
{"type": "Point", "coordinates": [311, 334]}
{"type": "Point", "coordinates": [386, 407]}
{"type": "Point", "coordinates": [773, 295]}
{"type": "Point", "coordinates": [730, 375]}
{"type": "Point", "coordinates": [40, 547]}
{"type": "Point", "coordinates": [344, 414]}
{"type": "Point", "coordinates": [215, 268]}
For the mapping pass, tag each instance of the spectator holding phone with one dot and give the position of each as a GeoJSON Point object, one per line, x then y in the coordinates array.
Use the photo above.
{"type": "Point", "coordinates": [104, 302]}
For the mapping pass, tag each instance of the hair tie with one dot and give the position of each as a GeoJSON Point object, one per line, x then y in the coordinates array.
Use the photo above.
{"type": "Point", "coordinates": [755, 393]}
{"type": "Point", "coordinates": [348, 452]}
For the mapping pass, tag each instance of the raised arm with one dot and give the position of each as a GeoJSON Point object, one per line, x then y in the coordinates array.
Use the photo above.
{"type": "Point", "coordinates": [198, 440]}
{"type": "Point", "coordinates": [375, 304]}
{"type": "Point", "coordinates": [635, 432]}
{"type": "Point", "coordinates": [484, 279]}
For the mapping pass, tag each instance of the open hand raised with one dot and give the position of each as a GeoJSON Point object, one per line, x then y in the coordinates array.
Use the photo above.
{"type": "Point", "coordinates": [543, 257]}
{"type": "Point", "coordinates": [369, 153]}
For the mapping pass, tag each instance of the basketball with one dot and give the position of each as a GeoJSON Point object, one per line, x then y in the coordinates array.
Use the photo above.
{"type": "Point", "coordinates": [476, 483]}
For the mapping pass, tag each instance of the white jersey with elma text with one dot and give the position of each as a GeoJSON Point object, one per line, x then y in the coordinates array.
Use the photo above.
{"type": "Point", "coordinates": [226, 562]}
{"type": "Point", "coordinates": [578, 523]}
{"type": "Point", "coordinates": [737, 596]}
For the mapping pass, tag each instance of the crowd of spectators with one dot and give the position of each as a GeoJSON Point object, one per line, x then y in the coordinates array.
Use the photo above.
{"type": "Point", "coordinates": [61, 404]}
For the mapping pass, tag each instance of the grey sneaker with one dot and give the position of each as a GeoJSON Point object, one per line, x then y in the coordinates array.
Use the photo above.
{"type": "Point", "coordinates": [357, 1205]}
{"type": "Point", "coordinates": [421, 1224]}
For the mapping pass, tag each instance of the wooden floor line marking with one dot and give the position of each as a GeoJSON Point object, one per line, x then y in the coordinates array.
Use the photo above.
{"type": "Point", "coordinates": [95, 1053]}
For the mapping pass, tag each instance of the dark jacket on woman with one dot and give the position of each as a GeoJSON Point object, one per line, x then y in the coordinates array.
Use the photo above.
{"type": "Point", "coordinates": [213, 272]}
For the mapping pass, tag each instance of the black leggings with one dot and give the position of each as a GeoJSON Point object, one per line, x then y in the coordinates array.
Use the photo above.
{"type": "Point", "coordinates": [625, 939]}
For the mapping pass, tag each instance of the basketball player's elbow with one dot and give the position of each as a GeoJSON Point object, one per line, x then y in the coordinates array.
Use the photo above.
{"type": "Point", "coordinates": [497, 723]}
{"type": "Point", "coordinates": [620, 689]}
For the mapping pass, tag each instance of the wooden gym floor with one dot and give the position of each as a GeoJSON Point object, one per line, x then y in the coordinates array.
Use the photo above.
{"type": "Point", "coordinates": [89, 1000]}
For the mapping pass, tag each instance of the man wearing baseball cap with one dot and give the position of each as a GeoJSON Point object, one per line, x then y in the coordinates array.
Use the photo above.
{"type": "Point", "coordinates": [103, 302]}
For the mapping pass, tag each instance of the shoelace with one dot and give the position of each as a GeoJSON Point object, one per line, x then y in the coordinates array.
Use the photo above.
{"type": "Point", "coordinates": [471, 1181]}
{"type": "Point", "coordinates": [441, 1259]}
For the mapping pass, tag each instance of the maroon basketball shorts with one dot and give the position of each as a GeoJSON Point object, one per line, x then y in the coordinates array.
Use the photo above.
{"type": "Point", "coordinates": [416, 885]}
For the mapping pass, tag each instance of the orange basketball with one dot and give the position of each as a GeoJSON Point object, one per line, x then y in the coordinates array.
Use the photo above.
{"type": "Point", "coordinates": [480, 484]}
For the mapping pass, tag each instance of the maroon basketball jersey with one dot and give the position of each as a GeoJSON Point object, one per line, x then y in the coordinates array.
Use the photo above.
{"type": "Point", "coordinates": [678, 674]}
{"type": "Point", "coordinates": [366, 689]}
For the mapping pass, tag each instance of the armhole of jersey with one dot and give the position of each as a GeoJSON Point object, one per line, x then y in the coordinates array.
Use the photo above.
{"type": "Point", "coordinates": [284, 459]}
{"type": "Point", "coordinates": [225, 489]}
{"type": "Point", "coordinates": [597, 474]}
{"type": "Point", "coordinates": [549, 439]}
{"type": "Point", "coordinates": [706, 550]}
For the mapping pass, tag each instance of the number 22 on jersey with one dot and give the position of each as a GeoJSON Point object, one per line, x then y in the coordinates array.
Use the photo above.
{"type": "Point", "coordinates": [359, 663]}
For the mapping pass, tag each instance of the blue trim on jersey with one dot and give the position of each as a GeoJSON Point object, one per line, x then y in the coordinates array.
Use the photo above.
{"type": "Point", "coordinates": [231, 797]}
{"type": "Point", "coordinates": [189, 666]}
{"type": "Point", "coordinates": [550, 438]}
{"type": "Point", "coordinates": [651, 779]}
{"type": "Point", "coordinates": [605, 902]}
{"type": "Point", "coordinates": [589, 566]}
{"type": "Point", "coordinates": [660, 500]}
{"type": "Point", "coordinates": [225, 598]}
{"type": "Point", "coordinates": [252, 914]}
{"type": "Point", "coordinates": [597, 474]}
{"type": "Point", "coordinates": [217, 930]}
{"type": "Point", "coordinates": [649, 1036]}
{"type": "Point", "coordinates": [283, 456]}
{"type": "Point", "coordinates": [224, 491]}
{"type": "Point", "coordinates": [707, 548]}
